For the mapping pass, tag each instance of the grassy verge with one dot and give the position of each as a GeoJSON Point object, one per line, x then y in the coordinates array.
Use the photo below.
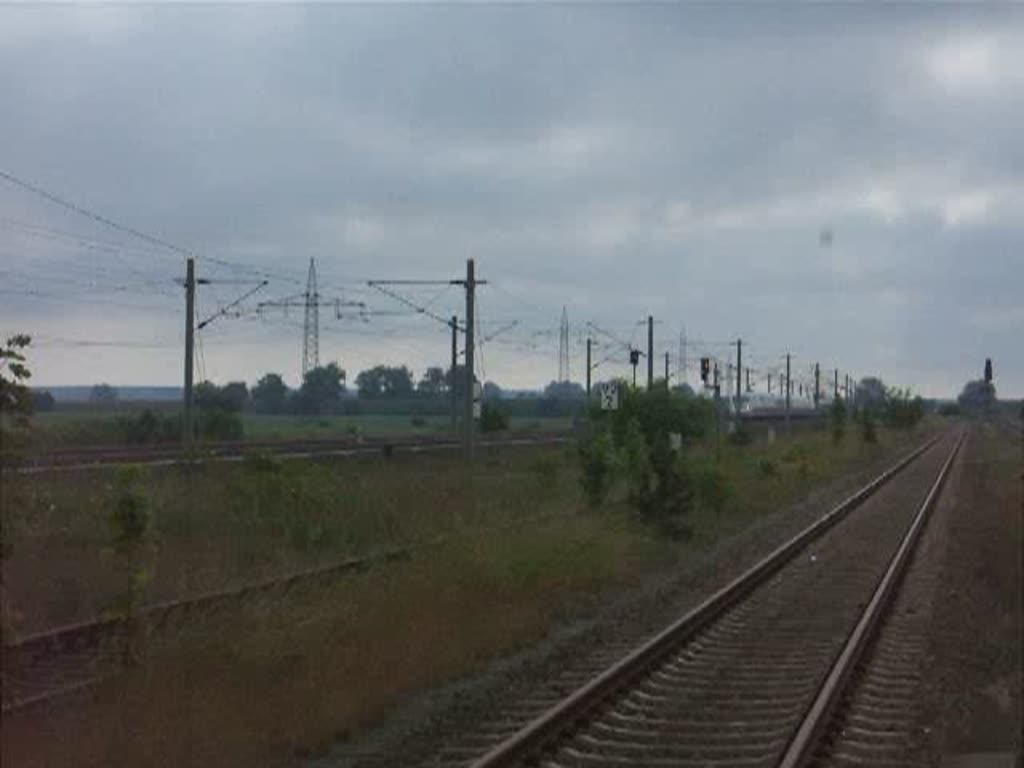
{"type": "Point", "coordinates": [96, 427]}
{"type": "Point", "coordinates": [273, 681]}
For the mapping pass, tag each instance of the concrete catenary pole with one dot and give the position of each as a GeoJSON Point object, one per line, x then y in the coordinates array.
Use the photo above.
{"type": "Point", "coordinates": [190, 321]}
{"type": "Point", "coordinates": [789, 389]}
{"type": "Point", "coordinates": [454, 394]}
{"type": "Point", "coordinates": [739, 378]}
{"type": "Point", "coordinates": [650, 352]}
{"type": "Point", "coordinates": [589, 342]}
{"type": "Point", "coordinates": [470, 378]}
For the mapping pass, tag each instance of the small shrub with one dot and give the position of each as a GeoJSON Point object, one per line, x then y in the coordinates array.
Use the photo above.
{"type": "Point", "coordinates": [492, 418]}
{"type": "Point", "coordinates": [949, 409]}
{"type": "Point", "coordinates": [767, 467]}
{"type": "Point", "coordinates": [712, 487]}
{"type": "Point", "coordinates": [637, 465]}
{"type": "Point", "coordinates": [220, 425]}
{"type": "Point", "coordinates": [418, 421]}
{"type": "Point", "coordinates": [741, 436]}
{"type": "Point", "coordinates": [838, 419]}
{"type": "Point", "coordinates": [262, 462]}
{"type": "Point", "coordinates": [867, 427]}
{"type": "Point", "coordinates": [597, 465]}
{"type": "Point", "coordinates": [129, 523]}
{"type": "Point", "coordinates": [546, 469]}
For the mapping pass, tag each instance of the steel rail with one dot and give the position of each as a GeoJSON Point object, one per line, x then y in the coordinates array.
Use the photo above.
{"type": "Point", "coordinates": [284, 450]}
{"type": "Point", "coordinates": [90, 634]}
{"type": "Point", "coordinates": [807, 735]}
{"type": "Point", "coordinates": [564, 716]}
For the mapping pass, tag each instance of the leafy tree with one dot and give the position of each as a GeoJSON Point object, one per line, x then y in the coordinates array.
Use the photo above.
{"type": "Point", "coordinates": [321, 389]}
{"type": "Point", "coordinates": [564, 390]}
{"type": "Point", "coordinates": [235, 395]}
{"type": "Point", "coordinates": [901, 410]}
{"type": "Point", "coordinates": [42, 400]}
{"type": "Point", "coordinates": [434, 382]}
{"type": "Point", "coordinates": [104, 394]}
{"type": "Point", "coordinates": [977, 396]}
{"type": "Point", "coordinates": [270, 393]}
{"type": "Point", "coordinates": [492, 391]}
{"type": "Point", "coordinates": [230, 398]}
{"type": "Point", "coordinates": [871, 393]}
{"type": "Point", "coordinates": [15, 398]}
{"type": "Point", "coordinates": [383, 381]}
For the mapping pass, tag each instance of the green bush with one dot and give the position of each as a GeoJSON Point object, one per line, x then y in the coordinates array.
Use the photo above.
{"type": "Point", "coordinates": [902, 411]}
{"type": "Point", "coordinates": [741, 435]}
{"type": "Point", "coordinates": [492, 418]}
{"type": "Point", "coordinates": [418, 421]}
{"type": "Point", "coordinates": [712, 487]}
{"type": "Point", "coordinates": [767, 467]}
{"type": "Point", "coordinates": [597, 466]}
{"type": "Point", "coordinates": [546, 468]}
{"type": "Point", "coordinates": [129, 523]}
{"type": "Point", "coordinates": [949, 409]}
{"type": "Point", "coordinates": [838, 418]}
{"type": "Point", "coordinates": [636, 462]}
{"type": "Point", "coordinates": [220, 425]}
{"type": "Point", "coordinates": [867, 427]}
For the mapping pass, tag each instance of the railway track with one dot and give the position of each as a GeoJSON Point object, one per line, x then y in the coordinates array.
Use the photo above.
{"type": "Point", "coordinates": [45, 666]}
{"type": "Point", "coordinates": [97, 457]}
{"type": "Point", "coordinates": [764, 672]}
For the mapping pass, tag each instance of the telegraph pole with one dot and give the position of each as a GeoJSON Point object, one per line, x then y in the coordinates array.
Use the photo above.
{"type": "Point", "coordinates": [789, 388]}
{"type": "Point", "coordinates": [739, 378]}
{"type": "Point", "coordinates": [454, 323]}
{"type": "Point", "coordinates": [470, 379]}
{"type": "Point", "coordinates": [817, 384]}
{"type": "Point", "coordinates": [588, 369]}
{"type": "Point", "coordinates": [650, 352]}
{"type": "Point", "coordinates": [718, 418]}
{"type": "Point", "coordinates": [666, 371]}
{"type": "Point", "coordinates": [190, 322]}
{"type": "Point", "coordinates": [769, 383]}
{"type": "Point", "coordinates": [835, 385]}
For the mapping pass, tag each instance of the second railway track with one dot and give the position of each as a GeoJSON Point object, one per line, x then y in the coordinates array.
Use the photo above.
{"type": "Point", "coordinates": [752, 676]}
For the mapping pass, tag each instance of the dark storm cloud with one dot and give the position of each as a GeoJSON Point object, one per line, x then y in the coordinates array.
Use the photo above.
{"type": "Point", "coordinates": [618, 160]}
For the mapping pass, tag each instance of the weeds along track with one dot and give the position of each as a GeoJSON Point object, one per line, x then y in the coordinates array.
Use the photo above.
{"type": "Point", "coordinates": [46, 666]}
{"type": "Point", "coordinates": [97, 457]}
{"type": "Point", "coordinates": [754, 676]}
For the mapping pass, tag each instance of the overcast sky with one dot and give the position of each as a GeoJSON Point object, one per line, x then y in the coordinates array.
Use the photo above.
{"type": "Point", "coordinates": [845, 183]}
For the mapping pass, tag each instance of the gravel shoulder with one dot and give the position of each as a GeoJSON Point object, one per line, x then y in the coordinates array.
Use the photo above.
{"type": "Point", "coordinates": [973, 701]}
{"type": "Point", "coordinates": [419, 730]}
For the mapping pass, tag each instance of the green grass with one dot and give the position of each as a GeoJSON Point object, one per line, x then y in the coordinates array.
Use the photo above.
{"type": "Point", "coordinates": [281, 677]}
{"type": "Point", "coordinates": [87, 426]}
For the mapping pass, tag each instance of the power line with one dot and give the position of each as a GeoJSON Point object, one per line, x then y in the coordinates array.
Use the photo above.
{"type": "Point", "coordinates": [124, 228]}
{"type": "Point", "coordinates": [98, 217]}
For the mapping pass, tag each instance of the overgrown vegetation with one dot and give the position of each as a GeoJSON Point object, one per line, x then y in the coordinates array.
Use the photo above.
{"type": "Point", "coordinates": [644, 444]}
{"type": "Point", "coordinates": [837, 419]}
{"type": "Point", "coordinates": [901, 410]}
{"type": "Point", "coordinates": [493, 418]}
{"type": "Point", "coordinates": [867, 426]}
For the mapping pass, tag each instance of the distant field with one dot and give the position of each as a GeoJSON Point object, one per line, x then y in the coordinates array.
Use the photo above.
{"type": "Point", "coordinates": [84, 426]}
{"type": "Point", "coordinates": [263, 426]}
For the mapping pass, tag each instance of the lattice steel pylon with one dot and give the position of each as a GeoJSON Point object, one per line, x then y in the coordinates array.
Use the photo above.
{"type": "Point", "coordinates": [563, 348]}
{"type": "Point", "coordinates": [311, 327]}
